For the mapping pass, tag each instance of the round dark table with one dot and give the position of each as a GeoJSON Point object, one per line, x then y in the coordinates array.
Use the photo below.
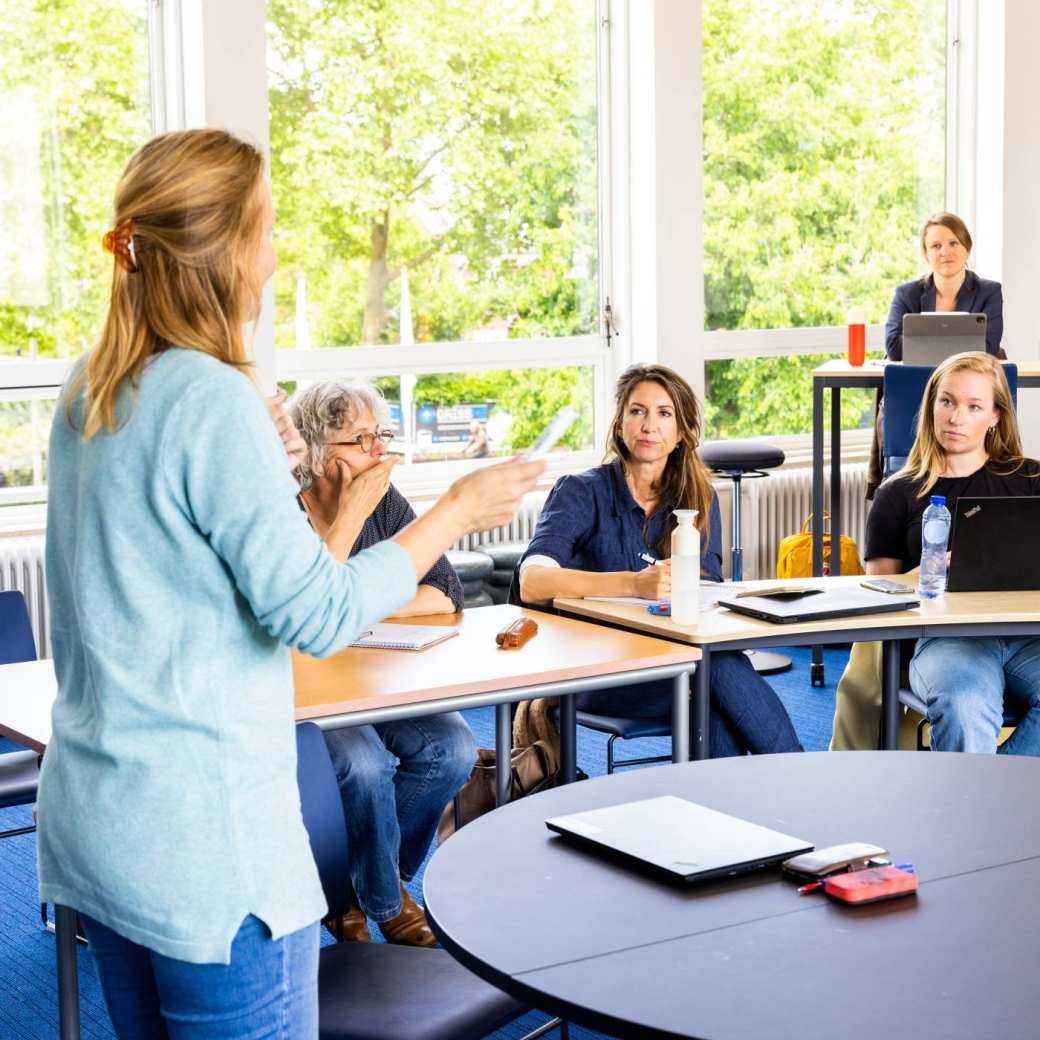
{"type": "Point", "coordinates": [612, 949]}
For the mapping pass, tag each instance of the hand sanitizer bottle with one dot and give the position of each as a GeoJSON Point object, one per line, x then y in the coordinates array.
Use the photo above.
{"type": "Point", "coordinates": [686, 567]}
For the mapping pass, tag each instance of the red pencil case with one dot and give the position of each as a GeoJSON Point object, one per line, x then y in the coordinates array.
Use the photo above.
{"type": "Point", "coordinates": [870, 886]}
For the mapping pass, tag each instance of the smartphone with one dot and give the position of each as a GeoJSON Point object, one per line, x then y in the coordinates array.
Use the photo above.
{"type": "Point", "coordinates": [897, 588]}
{"type": "Point", "coordinates": [560, 424]}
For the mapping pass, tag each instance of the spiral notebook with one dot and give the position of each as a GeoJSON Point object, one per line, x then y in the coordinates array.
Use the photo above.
{"type": "Point", "coordinates": [404, 637]}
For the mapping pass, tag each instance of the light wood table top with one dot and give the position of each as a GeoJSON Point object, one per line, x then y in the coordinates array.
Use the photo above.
{"type": "Point", "coordinates": [718, 625]}
{"type": "Point", "coordinates": [358, 679]}
{"type": "Point", "coordinates": [27, 692]}
{"type": "Point", "coordinates": [362, 680]}
{"type": "Point", "coordinates": [875, 369]}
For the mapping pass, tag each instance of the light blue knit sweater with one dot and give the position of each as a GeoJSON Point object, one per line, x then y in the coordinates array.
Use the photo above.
{"type": "Point", "coordinates": [180, 570]}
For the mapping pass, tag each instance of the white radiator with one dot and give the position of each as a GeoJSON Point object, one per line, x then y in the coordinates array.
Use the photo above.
{"type": "Point", "coordinates": [772, 508]}
{"type": "Point", "coordinates": [21, 568]}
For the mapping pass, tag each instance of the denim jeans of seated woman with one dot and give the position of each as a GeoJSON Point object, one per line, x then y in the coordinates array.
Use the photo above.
{"type": "Point", "coordinates": [964, 683]}
{"type": "Point", "coordinates": [746, 714]}
{"type": "Point", "coordinates": [395, 779]}
{"type": "Point", "coordinates": [269, 991]}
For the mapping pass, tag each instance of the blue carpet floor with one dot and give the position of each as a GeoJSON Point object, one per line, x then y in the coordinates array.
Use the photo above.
{"type": "Point", "coordinates": [28, 988]}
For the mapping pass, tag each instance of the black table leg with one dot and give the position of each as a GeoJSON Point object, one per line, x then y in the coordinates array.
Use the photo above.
{"type": "Point", "coordinates": [68, 981]}
{"type": "Point", "coordinates": [701, 707]}
{"type": "Point", "coordinates": [816, 667]}
{"type": "Point", "coordinates": [817, 477]}
{"type": "Point", "coordinates": [835, 480]}
{"type": "Point", "coordinates": [889, 694]}
{"type": "Point", "coordinates": [568, 740]}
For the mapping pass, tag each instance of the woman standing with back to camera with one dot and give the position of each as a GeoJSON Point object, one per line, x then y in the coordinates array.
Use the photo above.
{"type": "Point", "coordinates": [180, 569]}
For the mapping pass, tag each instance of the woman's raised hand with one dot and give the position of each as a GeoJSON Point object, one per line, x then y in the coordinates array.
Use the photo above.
{"type": "Point", "coordinates": [491, 495]}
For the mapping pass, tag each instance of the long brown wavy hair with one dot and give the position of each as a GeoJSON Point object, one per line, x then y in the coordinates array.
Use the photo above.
{"type": "Point", "coordinates": [927, 459]}
{"type": "Point", "coordinates": [686, 481]}
{"type": "Point", "coordinates": [195, 200]}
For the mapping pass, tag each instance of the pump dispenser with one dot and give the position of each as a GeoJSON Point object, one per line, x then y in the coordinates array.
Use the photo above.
{"type": "Point", "coordinates": [686, 567]}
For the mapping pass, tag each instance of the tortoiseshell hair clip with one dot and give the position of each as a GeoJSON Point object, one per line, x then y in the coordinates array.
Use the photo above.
{"type": "Point", "coordinates": [120, 243]}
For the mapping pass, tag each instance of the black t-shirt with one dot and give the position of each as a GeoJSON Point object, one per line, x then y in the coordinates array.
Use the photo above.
{"type": "Point", "coordinates": [894, 521]}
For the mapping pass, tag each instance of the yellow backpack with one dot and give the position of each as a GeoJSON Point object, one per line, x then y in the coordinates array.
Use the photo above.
{"type": "Point", "coordinates": [794, 559]}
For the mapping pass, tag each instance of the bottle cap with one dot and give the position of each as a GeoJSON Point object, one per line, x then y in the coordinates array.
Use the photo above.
{"type": "Point", "coordinates": [856, 316]}
{"type": "Point", "coordinates": [685, 514]}
{"type": "Point", "coordinates": [938, 500]}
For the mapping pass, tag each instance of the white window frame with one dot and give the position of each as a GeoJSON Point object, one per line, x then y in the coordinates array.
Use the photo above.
{"type": "Point", "coordinates": [226, 90]}
{"type": "Point", "coordinates": [598, 351]}
{"type": "Point", "coordinates": [961, 92]}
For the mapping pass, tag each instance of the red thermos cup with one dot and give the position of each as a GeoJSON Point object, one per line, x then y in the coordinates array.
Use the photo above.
{"type": "Point", "coordinates": [857, 337]}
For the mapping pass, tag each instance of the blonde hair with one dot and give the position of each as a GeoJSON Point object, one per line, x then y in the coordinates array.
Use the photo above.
{"type": "Point", "coordinates": [195, 201]}
{"type": "Point", "coordinates": [686, 481]}
{"type": "Point", "coordinates": [927, 459]}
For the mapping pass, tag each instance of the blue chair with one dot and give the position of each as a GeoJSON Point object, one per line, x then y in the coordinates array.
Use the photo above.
{"type": "Point", "coordinates": [374, 991]}
{"type": "Point", "coordinates": [904, 389]}
{"type": "Point", "coordinates": [19, 770]}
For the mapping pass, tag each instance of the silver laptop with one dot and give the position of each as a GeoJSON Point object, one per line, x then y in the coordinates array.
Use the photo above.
{"type": "Point", "coordinates": [929, 339]}
{"type": "Point", "coordinates": [817, 605]}
{"type": "Point", "coordinates": [677, 839]}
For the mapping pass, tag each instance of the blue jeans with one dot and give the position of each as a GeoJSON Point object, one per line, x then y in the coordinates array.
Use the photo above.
{"type": "Point", "coordinates": [395, 779]}
{"type": "Point", "coordinates": [964, 683]}
{"type": "Point", "coordinates": [269, 990]}
{"type": "Point", "coordinates": [746, 714]}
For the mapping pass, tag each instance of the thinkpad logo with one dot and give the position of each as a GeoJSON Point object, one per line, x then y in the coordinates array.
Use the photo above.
{"type": "Point", "coordinates": [973, 510]}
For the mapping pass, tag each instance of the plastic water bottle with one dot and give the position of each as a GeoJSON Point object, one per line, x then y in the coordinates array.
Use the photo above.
{"type": "Point", "coordinates": [935, 532]}
{"type": "Point", "coordinates": [686, 568]}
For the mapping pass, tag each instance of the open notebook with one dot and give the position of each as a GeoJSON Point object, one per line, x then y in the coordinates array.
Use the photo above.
{"type": "Point", "coordinates": [404, 637]}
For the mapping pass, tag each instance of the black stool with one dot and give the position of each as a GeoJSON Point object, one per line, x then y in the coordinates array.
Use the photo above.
{"type": "Point", "coordinates": [738, 460]}
{"type": "Point", "coordinates": [505, 556]}
{"type": "Point", "coordinates": [472, 568]}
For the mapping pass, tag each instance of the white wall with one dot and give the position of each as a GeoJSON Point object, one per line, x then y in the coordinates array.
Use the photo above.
{"type": "Point", "coordinates": [226, 86]}
{"type": "Point", "coordinates": [1021, 200]}
{"type": "Point", "coordinates": [666, 186]}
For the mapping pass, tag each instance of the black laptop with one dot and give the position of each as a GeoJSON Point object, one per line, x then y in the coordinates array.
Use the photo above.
{"type": "Point", "coordinates": [993, 545]}
{"type": "Point", "coordinates": [811, 604]}
{"type": "Point", "coordinates": [677, 839]}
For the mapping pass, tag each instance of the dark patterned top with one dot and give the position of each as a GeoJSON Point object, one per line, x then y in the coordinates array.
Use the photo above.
{"type": "Point", "coordinates": [393, 514]}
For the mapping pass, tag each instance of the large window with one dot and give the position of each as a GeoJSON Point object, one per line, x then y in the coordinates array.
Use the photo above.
{"type": "Point", "coordinates": [824, 148]}
{"type": "Point", "coordinates": [75, 97]}
{"type": "Point", "coordinates": [435, 176]}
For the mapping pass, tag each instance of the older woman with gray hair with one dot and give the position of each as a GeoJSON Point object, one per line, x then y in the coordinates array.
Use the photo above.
{"type": "Point", "coordinates": [396, 777]}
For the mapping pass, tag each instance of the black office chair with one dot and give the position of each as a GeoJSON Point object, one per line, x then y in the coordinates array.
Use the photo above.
{"type": "Point", "coordinates": [472, 569]}
{"type": "Point", "coordinates": [375, 991]}
{"type": "Point", "coordinates": [19, 770]}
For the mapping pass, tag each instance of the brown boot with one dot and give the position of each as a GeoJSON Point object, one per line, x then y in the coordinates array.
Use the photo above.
{"type": "Point", "coordinates": [351, 927]}
{"type": "Point", "coordinates": [409, 927]}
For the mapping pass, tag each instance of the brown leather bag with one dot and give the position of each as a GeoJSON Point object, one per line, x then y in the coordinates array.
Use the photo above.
{"type": "Point", "coordinates": [534, 769]}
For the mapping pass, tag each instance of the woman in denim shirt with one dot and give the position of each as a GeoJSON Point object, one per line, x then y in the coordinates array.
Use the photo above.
{"type": "Point", "coordinates": [606, 532]}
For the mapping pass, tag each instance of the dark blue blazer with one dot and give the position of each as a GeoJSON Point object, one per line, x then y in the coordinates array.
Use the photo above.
{"type": "Point", "coordinates": [977, 296]}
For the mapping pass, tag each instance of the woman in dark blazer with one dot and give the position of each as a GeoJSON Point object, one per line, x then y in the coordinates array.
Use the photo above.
{"type": "Point", "coordinates": [946, 245]}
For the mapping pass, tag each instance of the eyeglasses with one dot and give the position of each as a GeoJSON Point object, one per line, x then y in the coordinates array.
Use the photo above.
{"type": "Point", "coordinates": [366, 441]}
